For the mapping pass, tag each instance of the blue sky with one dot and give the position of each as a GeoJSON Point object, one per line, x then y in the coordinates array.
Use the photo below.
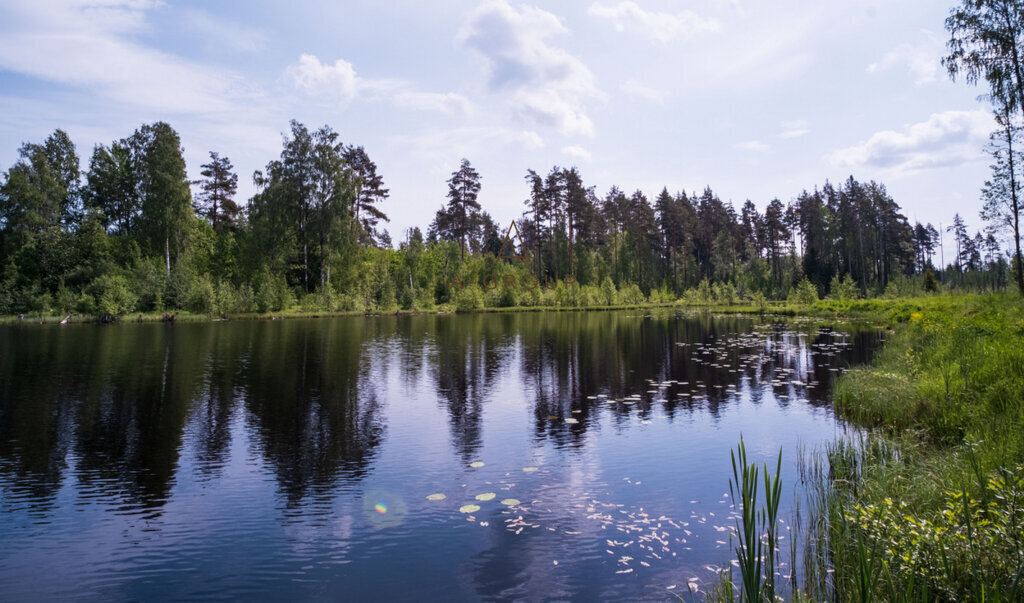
{"type": "Point", "coordinates": [755, 99]}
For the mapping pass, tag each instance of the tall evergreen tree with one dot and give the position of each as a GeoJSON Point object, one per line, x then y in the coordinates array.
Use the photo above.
{"type": "Point", "coordinates": [217, 189]}
{"type": "Point", "coordinates": [463, 188]}
{"type": "Point", "coordinates": [370, 193]}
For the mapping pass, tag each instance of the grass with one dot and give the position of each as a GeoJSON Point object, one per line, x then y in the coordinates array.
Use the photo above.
{"type": "Point", "coordinates": [929, 503]}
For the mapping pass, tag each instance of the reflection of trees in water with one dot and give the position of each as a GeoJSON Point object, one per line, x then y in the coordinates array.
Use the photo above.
{"type": "Point", "coordinates": [120, 398]}
{"type": "Point", "coordinates": [467, 356]}
{"type": "Point", "coordinates": [35, 416]}
{"type": "Point", "coordinates": [311, 392]}
{"type": "Point", "coordinates": [117, 400]}
{"type": "Point", "coordinates": [209, 422]}
{"type": "Point", "coordinates": [113, 397]}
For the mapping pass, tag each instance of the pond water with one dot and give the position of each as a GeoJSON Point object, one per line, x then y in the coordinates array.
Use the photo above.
{"type": "Point", "coordinates": [305, 459]}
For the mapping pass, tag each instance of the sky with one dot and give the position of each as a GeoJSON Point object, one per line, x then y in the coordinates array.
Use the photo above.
{"type": "Point", "coordinates": [758, 100]}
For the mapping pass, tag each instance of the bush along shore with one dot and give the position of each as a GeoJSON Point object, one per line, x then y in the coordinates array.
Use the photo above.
{"type": "Point", "coordinates": [924, 501]}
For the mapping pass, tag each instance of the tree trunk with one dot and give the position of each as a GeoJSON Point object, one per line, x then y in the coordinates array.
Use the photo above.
{"type": "Point", "coordinates": [1015, 206]}
{"type": "Point", "coordinates": [167, 254]}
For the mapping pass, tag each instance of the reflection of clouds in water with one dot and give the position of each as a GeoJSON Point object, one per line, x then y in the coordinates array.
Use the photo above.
{"type": "Point", "coordinates": [311, 536]}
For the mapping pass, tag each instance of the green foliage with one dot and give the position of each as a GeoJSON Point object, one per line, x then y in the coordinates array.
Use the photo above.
{"type": "Point", "coordinates": [929, 506]}
{"type": "Point", "coordinates": [314, 225]}
{"type": "Point", "coordinates": [202, 299]}
{"type": "Point", "coordinates": [273, 293]}
{"type": "Point", "coordinates": [631, 295]}
{"type": "Point", "coordinates": [469, 298]}
{"type": "Point", "coordinates": [843, 289]}
{"type": "Point", "coordinates": [609, 294]}
{"type": "Point", "coordinates": [113, 295]}
{"type": "Point", "coordinates": [756, 527]}
{"type": "Point", "coordinates": [804, 294]}
{"type": "Point", "coordinates": [724, 293]}
{"type": "Point", "coordinates": [64, 301]}
{"type": "Point", "coordinates": [759, 301]}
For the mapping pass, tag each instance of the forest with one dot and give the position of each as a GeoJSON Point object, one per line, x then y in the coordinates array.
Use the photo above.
{"type": "Point", "coordinates": [134, 234]}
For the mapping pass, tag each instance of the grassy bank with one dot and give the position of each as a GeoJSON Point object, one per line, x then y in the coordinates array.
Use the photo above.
{"type": "Point", "coordinates": [928, 503]}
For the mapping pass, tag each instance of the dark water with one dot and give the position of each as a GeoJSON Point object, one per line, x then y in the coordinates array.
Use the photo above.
{"type": "Point", "coordinates": [293, 459]}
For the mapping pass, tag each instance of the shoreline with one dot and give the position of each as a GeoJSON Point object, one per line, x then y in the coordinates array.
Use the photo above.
{"type": "Point", "coordinates": [890, 311]}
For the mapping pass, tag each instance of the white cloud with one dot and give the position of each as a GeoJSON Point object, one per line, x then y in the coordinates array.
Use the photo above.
{"type": "Point", "coordinates": [577, 151]}
{"type": "Point", "coordinates": [921, 59]}
{"type": "Point", "coordinates": [90, 45]}
{"type": "Point", "coordinates": [217, 32]}
{"type": "Point", "coordinates": [449, 103]}
{"type": "Point", "coordinates": [547, 84]}
{"type": "Point", "coordinates": [340, 83]}
{"type": "Point", "coordinates": [635, 89]}
{"type": "Point", "coordinates": [754, 146]}
{"type": "Point", "coordinates": [944, 139]}
{"type": "Point", "coordinates": [337, 81]}
{"type": "Point", "coordinates": [663, 27]}
{"type": "Point", "coordinates": [529, 139]}
{"type": "Point", "coordinates": [793, 129]}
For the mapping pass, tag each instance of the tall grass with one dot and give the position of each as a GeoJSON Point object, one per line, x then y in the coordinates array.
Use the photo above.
{"type": "Point", "coordinates": [929, 503]}
{"type": "Point", "coordinates": [756, 530]}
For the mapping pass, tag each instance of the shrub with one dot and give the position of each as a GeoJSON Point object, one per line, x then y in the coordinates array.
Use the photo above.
{"type": "Point", "coordinates": [112, 294]}
{"type": "Point", "coordinates": [201, 296]}
{"type": "Point", "coordinates": [804, 294]}
{"type": "Point", "coordinates": [608, 292]}
{"type": "Point", "coordinates": [631, 295]}
{"type": "Point", "coordinates": [843, 289]}
{"type": "Point", "coordinates": [759, 301]}
{"type": "Point", "coordinates": [65, 299]}
{"type": "Point", "coordinates": [469, 298]}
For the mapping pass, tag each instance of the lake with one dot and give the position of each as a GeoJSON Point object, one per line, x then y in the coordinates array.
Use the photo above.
{"type": "Point", "coordinates": [293, 459]}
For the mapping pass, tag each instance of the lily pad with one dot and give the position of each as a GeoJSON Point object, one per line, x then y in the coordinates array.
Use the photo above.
{"type": "Point", "coordinates": [469, 508]}
{"type": "Point", "coordinates": [572, 421]}
{"type": "Point", "coordinates": [476, 464]}
{"type": "Point", "coordinates": [436, 497]}
{"type": "Point", "coordinates": [510, 502]}
{"type": "Point", "coordinates": [529, 469]}
{"type": "Point", "coordinates": [485, 496]}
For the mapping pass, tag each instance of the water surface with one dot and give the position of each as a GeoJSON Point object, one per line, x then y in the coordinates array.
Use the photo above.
{"type": "Point", "coordinates": [293, 459]}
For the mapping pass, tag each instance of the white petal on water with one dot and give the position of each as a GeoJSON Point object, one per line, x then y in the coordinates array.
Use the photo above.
{"type": "Point", "coordinates": [572, 421]}
{"type": "Point", "coordinates": [529, 469]}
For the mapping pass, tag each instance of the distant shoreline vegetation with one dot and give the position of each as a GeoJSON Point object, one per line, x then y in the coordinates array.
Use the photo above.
{"type": "Point", "coordinates": [132, 234]}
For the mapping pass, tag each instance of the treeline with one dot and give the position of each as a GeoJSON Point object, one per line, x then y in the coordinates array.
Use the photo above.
{"type": "Point", "coordinates": [134, 234]}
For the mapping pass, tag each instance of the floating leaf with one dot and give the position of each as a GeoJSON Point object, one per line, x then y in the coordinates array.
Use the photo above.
{"type": "Point", "coordinates": [476, 464]}
{"type": "Point", "coordinates": [510, 502]}
{"type": "Point", "coordinates": [436, 497]}
{"type": "Point", "coordinates": [485, 496]}
{"type": "Point", "coordinates": [469, 508]}
{"type": "Point", "coordinates": [572, 421]}
{"type": "Point", "coordinates": [529, 469]}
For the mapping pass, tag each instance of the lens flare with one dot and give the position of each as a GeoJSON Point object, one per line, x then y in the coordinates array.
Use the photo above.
{"type": "Point", "coordinates": [384, 509]}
